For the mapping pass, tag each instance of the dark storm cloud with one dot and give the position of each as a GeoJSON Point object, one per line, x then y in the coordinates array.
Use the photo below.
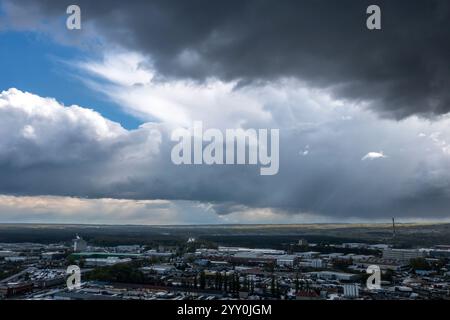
{"type": "Point", "coordinates": [401, 70]}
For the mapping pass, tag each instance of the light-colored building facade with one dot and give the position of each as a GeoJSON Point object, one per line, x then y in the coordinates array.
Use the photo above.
{"type": "Point", "coordinates": [402, 254]}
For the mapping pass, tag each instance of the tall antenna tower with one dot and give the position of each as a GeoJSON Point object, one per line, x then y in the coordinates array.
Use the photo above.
{"type": "Point", "coordinates": [393, 227]}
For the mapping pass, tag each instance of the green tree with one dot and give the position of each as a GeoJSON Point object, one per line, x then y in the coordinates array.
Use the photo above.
{"type": "Point", "coordinates": [202, 280]}
{"type": "Point", "coordinates": [419, 264]}
{"type": "Point", "coordinates": [238, 284]}
{"type": "Point", "coordinates": [220, 280]}
{"type": "Point", "coordinates": [245, 284]}
{"type": "Point", "coordinates": [225, 282]}
{"type": "Point", "coordinates": [272, 286]}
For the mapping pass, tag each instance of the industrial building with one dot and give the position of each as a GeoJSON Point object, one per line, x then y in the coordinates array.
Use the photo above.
{"type": "Point", "coordinates": [403, 254]}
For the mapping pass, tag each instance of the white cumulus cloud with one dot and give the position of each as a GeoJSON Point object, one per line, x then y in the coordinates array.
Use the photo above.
{"type": "Point", "coordinates": [374, 155]}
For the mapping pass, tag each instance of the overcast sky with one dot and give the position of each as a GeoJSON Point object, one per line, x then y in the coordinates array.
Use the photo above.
{"type": "Point", "coordinates": [86, 115]}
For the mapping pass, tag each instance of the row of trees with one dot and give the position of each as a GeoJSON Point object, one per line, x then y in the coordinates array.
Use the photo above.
{"type": "Point", "coordinates": [232, 283]}
{"type": "Point", "coordinates": [223, 282]}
